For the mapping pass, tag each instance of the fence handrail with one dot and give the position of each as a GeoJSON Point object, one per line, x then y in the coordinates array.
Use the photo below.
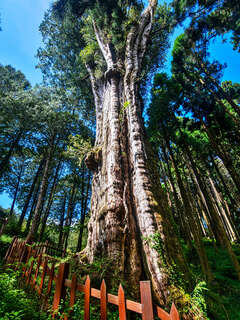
{"type": "Point", "coordinates": [145, 308]}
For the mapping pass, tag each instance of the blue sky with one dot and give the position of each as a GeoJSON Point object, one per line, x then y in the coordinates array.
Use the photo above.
{"type": "Point", "coordinates": [20, 39]}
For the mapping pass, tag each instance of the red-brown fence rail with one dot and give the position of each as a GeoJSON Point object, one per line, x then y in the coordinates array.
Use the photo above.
{"type": "Point", "coordinates": [40, 248]}
{"type": "Point", "coordinates": [40, 273]}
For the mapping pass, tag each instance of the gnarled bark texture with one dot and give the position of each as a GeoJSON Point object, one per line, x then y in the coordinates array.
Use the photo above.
{"type": "Point", "coordinates": [125, 214]}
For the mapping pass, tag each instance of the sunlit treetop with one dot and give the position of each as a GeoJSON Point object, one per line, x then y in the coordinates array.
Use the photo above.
{"type": "Point", "coordinates": [69, 34]}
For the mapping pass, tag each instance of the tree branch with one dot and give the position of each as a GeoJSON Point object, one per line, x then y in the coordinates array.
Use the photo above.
{"type": "Point", "coordinates": [105, 48]}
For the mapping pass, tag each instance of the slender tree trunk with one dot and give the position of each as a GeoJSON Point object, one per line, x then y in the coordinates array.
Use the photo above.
{"type": "Point", "coordinates": [235, 107]}
{"type": "Point", "coordinates": [61, 223]}
{"type": "Point", "coordinates": [70, 210]}
{"type": "Point", "coordinates": [185, 226]}
{"type": "Point", "coordinates": [37, 213]}
{"type": "Point", "coordinates": [5, 161]}
{"type": "Point", "coordinates": [26, 204]}
{"type": "Point", "coordinates": [226, 189]}
{"type": "Point", "coordinates": [16, 192]}
{"type": "Point", "coordinates": [215, 222]}
{"type": "Point", "coordinates": [192, 219]}
{"type": "Point", "coordinates": [83, 215]}
{"type": "Point", "coordinates": [13, 202]}
{"type": "Point", "coordinates": [50, 201]}
{"type": "Point", "coordinates": [212, 212]}
{"type": "Point", "coordinates": [225, 243]}
{"type": "Point", "coordinates": [203, 203]}
{"type": "Point", "coordinates": [33, 206]}
{"type": "Point", "coordinates": [219, 101]}
{"type": "Point", "coordinates": [222, 212]}
{"type": "Point", "coordinates": [224, 156]}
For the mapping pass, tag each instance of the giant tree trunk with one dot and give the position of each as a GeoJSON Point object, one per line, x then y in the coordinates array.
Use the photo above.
{"type": "Point", "coordinates": [126, 216]}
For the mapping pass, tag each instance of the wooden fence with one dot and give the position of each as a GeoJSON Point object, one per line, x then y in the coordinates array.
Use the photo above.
{"type": "Point", "coordinates": [40, 273]}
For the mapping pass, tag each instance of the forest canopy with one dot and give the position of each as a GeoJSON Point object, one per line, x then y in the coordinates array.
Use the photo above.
{"type": "Point", "coordinates": [116, 161]}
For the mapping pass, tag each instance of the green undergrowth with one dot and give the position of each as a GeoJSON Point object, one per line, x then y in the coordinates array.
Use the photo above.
{"type": "Point", "coordinates": [95, 310]}
{"type": "Point", "coordinates": [16, 303]}
{"type": "Point", "coordinates": [101, 269]}
{"type": "Point", "coordinates": [5, 241]}
{"type": "Point", "coordinates": [19, 303]}
{"type": "Point", "coordinates": [219, 300]}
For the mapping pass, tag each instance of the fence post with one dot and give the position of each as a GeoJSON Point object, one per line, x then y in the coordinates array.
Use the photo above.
{"type": "Point", "coordinates": [51, 277]}
{"type": "Point", "coordinates": [17, 255]}
{"type": "Point", "coordinates": [174, 315]}
{"type": "Point", "coordinates": [43, 276]}
{"type": "Point", "coordinates": [121, 304]}
{"type": "Point", "coordinates": [103, 301]}
{"type": "Point", "coordinates": [8, 253]}
{"type": "Point", "coordinates": [60, 290]}
{"type": "Point", "coordinates": [25, 267]}
{"type": "Point", "coordinates": [37, 270]}
{"type": "Point", "coordinates": [29, 276]}
{"type": "Point", "coordinates": [15, 251]}
{"type": "Point", "coordinates": [72, 296]}
{"type": "Point", "coordinates": [45, 247]}
{"type": "Point", "coordinates": [87, 292]}
{"type": "Point", "coordinates": [24, 253]}
{"type": "Point", "coordinates": [146, 300]}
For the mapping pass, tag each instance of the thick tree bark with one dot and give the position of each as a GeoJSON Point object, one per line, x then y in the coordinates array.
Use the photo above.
{"type": "Point", "coordinates": [125, 215]}
{"type": "Point", "coordinates": [26, 204]}
{"type": "Point", "coordinates": [130, 222]}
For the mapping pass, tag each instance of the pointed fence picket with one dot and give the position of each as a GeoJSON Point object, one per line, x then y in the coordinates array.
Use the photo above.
{"type": "Point", "coordinates": [39, 268]}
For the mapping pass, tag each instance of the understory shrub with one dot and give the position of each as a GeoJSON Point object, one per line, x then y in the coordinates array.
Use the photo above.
{"type": "Point", "coordinates": [15, 303]}
{"type": "Point", "coordinates": [5, 241]}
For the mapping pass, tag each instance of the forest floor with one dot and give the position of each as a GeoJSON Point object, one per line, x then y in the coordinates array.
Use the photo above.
{"type": "Point", "coordinates": [220, 299]}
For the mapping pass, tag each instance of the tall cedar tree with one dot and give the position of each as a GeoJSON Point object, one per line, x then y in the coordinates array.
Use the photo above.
{"type": "Point", "coordinates": [121, 42]}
